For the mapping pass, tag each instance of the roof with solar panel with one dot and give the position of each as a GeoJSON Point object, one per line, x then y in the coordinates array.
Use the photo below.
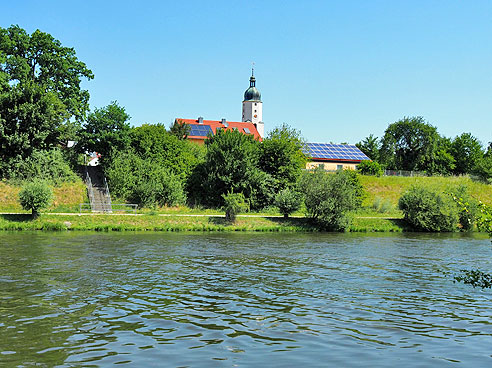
{"type": "Point", "coordinates": [334, 152]}
{"type": "Point", "coordinates": [200, 129]}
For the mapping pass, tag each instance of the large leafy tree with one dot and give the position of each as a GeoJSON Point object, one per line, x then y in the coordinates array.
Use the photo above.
{"type": "Point", "coordinates": [467, 152]}
{"type": "Point", "coordinates": [231, 165]}
{"type": "Point", "coordinates": [281, 156]}
{"type": "Point", "coordinates": [40, 91]}
{"type": "Point", "coordinates": [107, 129]}
{"type": "Point", "coordinates": [413, 144]}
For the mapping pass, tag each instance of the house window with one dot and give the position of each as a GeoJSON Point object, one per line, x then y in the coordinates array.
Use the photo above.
{"type": "Point", "coordinates": [321, 166]}
{"type": "Point", "coordinates": [339, 167]}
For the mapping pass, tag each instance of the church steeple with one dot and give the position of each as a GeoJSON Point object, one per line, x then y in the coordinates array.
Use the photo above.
{"type": "Point", "coordinates": [252, 105]}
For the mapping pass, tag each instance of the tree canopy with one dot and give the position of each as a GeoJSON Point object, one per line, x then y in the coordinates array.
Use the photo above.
{"type": "Point", "coordinates": [413, 144]}
{"type": "Point", "coordinates": [281, 156]}
{"type": "Point", "coordinates": [106, 129]}
{"type": "Point", "coordinates": [467, 152]}
{"type": "Point", "coordinates": [40, 91]}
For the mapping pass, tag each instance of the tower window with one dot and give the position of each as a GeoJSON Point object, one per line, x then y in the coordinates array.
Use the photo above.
{"type": "Point", "coordinates": [255, 104]}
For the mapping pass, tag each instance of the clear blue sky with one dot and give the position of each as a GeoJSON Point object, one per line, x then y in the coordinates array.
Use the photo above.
{"type": "Point", "coordinates": [336, 70]}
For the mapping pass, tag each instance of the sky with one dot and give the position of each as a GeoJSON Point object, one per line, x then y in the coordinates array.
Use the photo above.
{"type": "Point", "coordinates": [335, 70]}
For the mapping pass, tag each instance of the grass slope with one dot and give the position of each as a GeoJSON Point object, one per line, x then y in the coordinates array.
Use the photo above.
{"type": "Point", "coordinates": [384, 189]}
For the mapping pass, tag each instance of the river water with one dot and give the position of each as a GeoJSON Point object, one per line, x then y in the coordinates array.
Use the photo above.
{"type": "Point", "coordinates": [242, 300]}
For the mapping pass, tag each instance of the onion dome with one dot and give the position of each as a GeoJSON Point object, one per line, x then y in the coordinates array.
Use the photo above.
{"type": "Point", "coordinates": [252, 94]}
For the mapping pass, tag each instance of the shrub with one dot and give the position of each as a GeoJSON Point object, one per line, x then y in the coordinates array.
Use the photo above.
{"type": "Point", "coordinates": [429, 210]}
{"type": "Point", "coordinates": [287, 201]}
{"type": "Point", "coordinates": [50, 166]}
{"type": "Point", "coordinates": [328, 197]}
{"type": "Point", "coordinates": [234, 204]}
{"type": "Point", "coordinates": [367, 167]}
{"type": "Point", "coordinates": [144, 182]}
{"type": "Point", "coordinates": [466, 215]}
{"type": "Point", "coordinates": [35, 196]}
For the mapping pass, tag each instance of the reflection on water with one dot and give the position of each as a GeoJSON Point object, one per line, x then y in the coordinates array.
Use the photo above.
{"type": "Point", "coordinates": [242, 300]}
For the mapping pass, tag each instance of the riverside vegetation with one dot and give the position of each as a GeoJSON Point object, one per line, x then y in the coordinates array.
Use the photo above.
{"type": "Point", "coordinates": [42, 107]}
{"type": "Point", "coordinates": [378, 212]}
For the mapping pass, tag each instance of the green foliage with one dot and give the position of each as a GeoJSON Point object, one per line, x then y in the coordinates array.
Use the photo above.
{"type": "Point", "coordinates": [50, 166]}
{"type": "Point", "coordinates": [414, 145]}
{"type": "Point", "coordinates": [467, 151]}
{"type": "Point", "coordinates": [180, 129]}
{"type": "Point", "coordinates": [106, 130]}
{"type": "Point", "coordinates": [39, 92]}
{"type": "Point", "coordinates": [353, 177]}
{"type": "Point", "coordinates": [370, 146]}
{"type": "Point", "coordinates": [428, 210]}
{"type": "Point", "coordinates": [281, 156]}
{"type": "Point", "coordinates": [287, 201]}
{"type": "Point", "coordinates": [231, 164]}
{"type": "Point", "coordinates": [328, 197]}
{"type": "Point", "coordinates": [154, 143]}
{"type": "Point", "coordinates": [367, 167]}
{"type": "Point", "coordinates": [467, 207]}
{"type": "Point", "coordinates": [35, 196]}
{"type": "Point", "coordinates": [234, 203]}
{"type": "Point", "coordinates": [143, 181]}
{"type": "Point", "coordinates": [483, 169]}
{"type": "Point", "coordinates": [382, 205]}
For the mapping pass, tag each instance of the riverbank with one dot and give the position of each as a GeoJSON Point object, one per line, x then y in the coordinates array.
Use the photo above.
{"type": "Point", "coordinates": [206, 223]}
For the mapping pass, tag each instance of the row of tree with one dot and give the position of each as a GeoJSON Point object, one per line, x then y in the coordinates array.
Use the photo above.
{"type": "Point", "coordinates": [413, 144]}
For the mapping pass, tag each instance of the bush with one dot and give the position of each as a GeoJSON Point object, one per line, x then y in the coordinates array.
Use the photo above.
{"type": "Point", "coordinates": [287, 201]}
{"type": "Point", "coordinates": [144, 182]}
{"type": "Point", "coordinates": [35, 196]}
{"type": "Point", "coordinates": [50, 166]}
{"type": "Point", "coordinates": [328, 197]}
{"type": "Point", "coordinates": [234, 204]}
{"type": "Point", "coordinates": [370, 168]}
{"type": "Point", "coordinates": [466, 215]}
{"type": "Point", "coordinates": [429, 210]}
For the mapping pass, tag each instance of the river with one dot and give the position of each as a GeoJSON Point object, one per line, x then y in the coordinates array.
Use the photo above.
{"type": "Point", "coordinates": [242, 300]}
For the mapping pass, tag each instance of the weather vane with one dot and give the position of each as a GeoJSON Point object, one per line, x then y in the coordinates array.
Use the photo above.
{"type": "Point", "coordinates": [252, 68]}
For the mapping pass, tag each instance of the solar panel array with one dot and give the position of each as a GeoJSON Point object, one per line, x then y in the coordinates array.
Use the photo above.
{"type": "Point", "coordinates": [200, 130]}
{"type": "Point", "coordinates": [334, 151]}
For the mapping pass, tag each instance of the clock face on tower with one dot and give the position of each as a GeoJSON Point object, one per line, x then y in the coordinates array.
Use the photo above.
{"type": "Point", "coordinates": [256, 116]}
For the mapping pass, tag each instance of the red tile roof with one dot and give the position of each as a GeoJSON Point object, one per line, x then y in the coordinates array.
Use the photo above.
{"type": "Point", "coordinates": [214, 124]}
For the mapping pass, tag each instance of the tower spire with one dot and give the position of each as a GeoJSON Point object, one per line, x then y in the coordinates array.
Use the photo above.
{"type": "Point", "coordinates": [252, 80]}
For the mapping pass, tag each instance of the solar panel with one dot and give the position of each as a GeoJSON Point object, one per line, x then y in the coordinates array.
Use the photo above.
{"type": "Point", "coordinates": [200, 130]}
{"type": "Point", "coordinates": [334, 151]}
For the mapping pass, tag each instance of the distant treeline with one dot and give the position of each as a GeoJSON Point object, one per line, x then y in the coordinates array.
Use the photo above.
{"type": "Point", "coordinates": [413, 144]}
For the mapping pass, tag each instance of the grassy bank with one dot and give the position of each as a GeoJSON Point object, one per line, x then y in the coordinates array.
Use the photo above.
{"type": "Point", "coordinates": [392, 187]}
{"type": "Point", "coordinates": [151, 223]}
{"type": "Point", "coordinates": [379, 213]}
{"type": "Point", "coordinates": [67, 197]}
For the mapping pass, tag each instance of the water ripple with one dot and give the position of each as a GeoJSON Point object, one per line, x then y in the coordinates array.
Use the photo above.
{"type": "Point", "coordinates": [242, 300]}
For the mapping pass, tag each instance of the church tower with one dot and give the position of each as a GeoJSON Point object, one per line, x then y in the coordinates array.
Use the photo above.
{"type": "Point", "coordinates": [252, 106]}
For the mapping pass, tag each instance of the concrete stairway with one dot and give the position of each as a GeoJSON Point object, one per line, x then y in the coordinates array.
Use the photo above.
{"type": "Point", "coordinates": [97, 189]}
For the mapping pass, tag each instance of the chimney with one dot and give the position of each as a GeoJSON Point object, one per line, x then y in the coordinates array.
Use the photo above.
{"type": "Point", "coordinates": [223, 121]}
{"type": "Point", "coordinates": [200, 120]}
